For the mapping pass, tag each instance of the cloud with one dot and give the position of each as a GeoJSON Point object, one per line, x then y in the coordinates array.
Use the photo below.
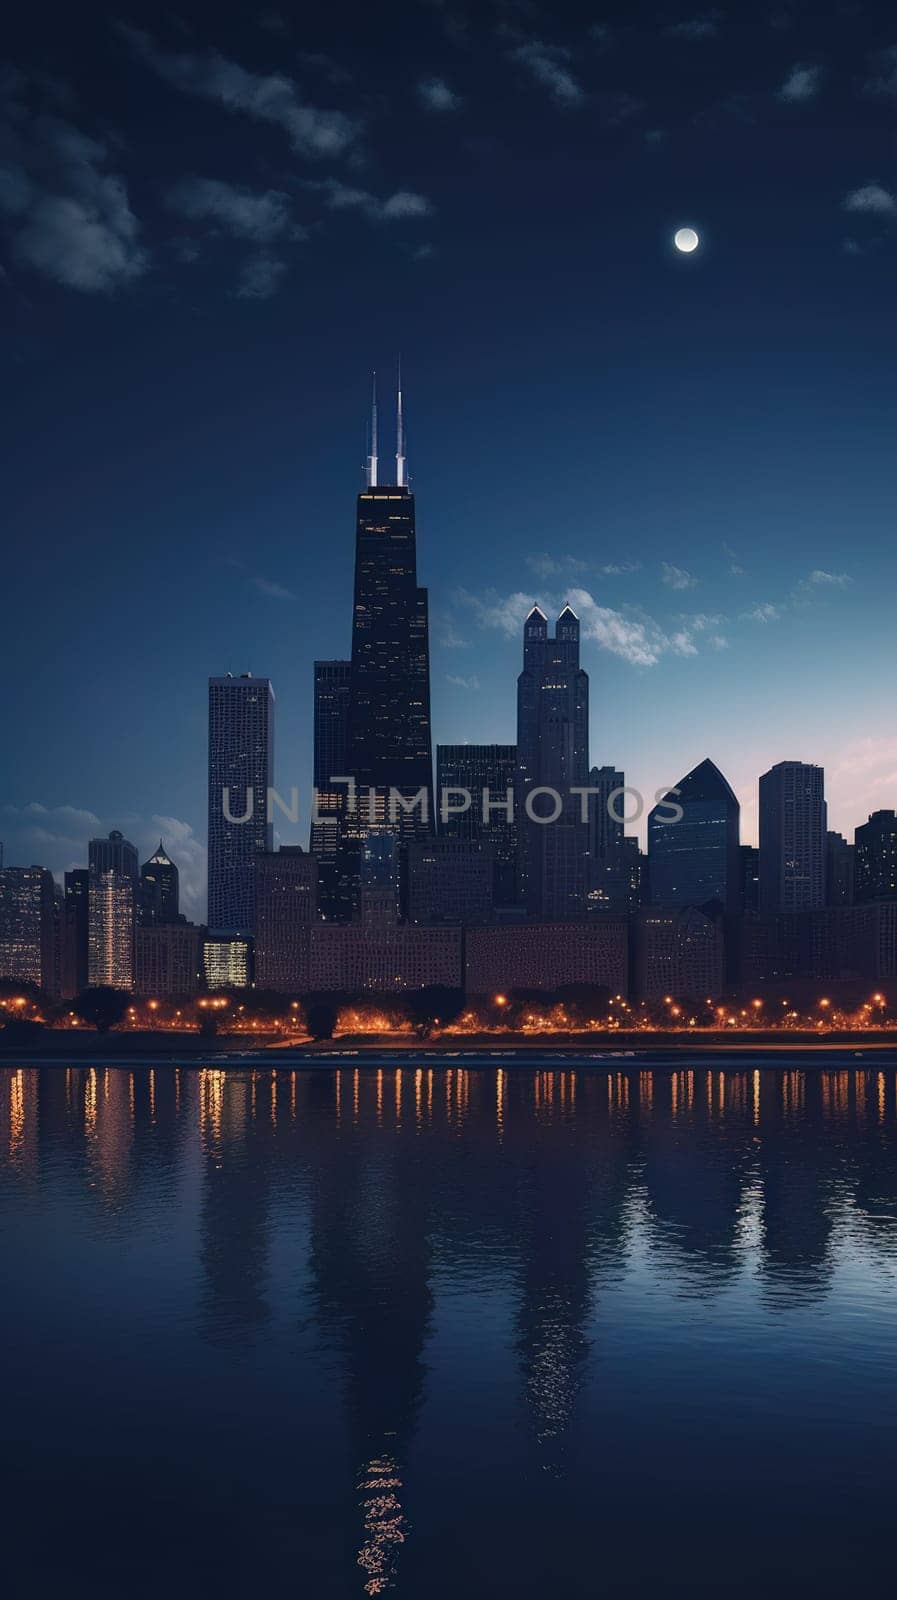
{"type": "Point", "coordinates": [735, 567]}
{"type": "Point", "coordinates": [683, 644]}
{"type": "Point", "coordinates": [635, 638]}
{"type": "Point", "coordinates": [694, 29]}
{"type": "Point", "coordinates": [700, 621]}
{"type": "Point", "coordinates": [884, 74]}
{"type": "Point", "coordinates": [677, 577]}
{"type": "Point", "coordinates": [472, 682]}
{"type": "Point", "coordinates": [67, 216]}
{"type": "Point", "coordinates": [260, 278]}
{"type": "Point", "coordinates": [873, 198]}
{"type": "Point", "coordinates": [544, 565]}
{"type": "Point", "coordinates": [717, 641]}
{"type": "Point", "coordinates": [57, 837]}
{"type": "Point", "coordinates": [274, 591]}
{"type": "Point", "coordinates": [547, 64]}
{"type": "Point", "coordinates": [802, 84]}
{"type": "Point", "coordinates": [434, 94]}
{"type": "Point", "coordinates": [838, 580]}
{"type": "Point", "coordinates": [450, 640]}
{"type": "Point", "coordinates": [396, 207]}
{"type": "Point", "coordinates": [271, 97]}
{"type": "Point", "coordinates": [245, 213]}
{"type": "Point", "coordinates": [762, 611]}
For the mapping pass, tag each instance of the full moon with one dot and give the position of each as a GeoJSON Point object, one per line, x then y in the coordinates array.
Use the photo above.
{"type": "Point", "coordinates": [686, 240]}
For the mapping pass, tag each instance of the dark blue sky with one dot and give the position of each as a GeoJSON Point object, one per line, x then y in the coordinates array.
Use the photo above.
{"type": "Point", "coordinates": [214, 226]}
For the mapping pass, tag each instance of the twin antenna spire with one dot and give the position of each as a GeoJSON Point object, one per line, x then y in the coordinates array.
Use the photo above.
{"type": "Point", "coordinates": [373, 457]}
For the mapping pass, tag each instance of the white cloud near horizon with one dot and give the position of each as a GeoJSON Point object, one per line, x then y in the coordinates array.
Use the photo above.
{"type": "Point", "coordinates": [635, 638]}
{"type": "Point", "coordinates": [57, 837]}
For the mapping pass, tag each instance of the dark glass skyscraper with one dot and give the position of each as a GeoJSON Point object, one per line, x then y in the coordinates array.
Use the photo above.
{"type": "Point", "coordinates": [875, 858]}
{"type": "Point", "coordinates": [792, 837]}
{"type": "Point", "coordinates": [695, 860]}
{"type": "Point", "coordinates": [158, 896]}
{"type": "Point", "coordinates": [241, 769]}
{"type": "Point", "coordinates": [389, 742]}
{"type": "Point", "coordinates": [609, 887]}
{"type": "Point", "coordinates": [552, 753]}
{"type": "Point", "coordinates": [479, 767]}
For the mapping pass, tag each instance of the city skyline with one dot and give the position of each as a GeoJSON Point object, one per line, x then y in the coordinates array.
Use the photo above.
{"type": "Point", "coordinates": [688, 449]}
{"type": "Point", "coordinates": [33, 821]}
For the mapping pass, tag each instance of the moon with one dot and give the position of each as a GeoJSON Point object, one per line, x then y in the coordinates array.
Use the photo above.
{"type": "Point", "coordinates": [686, 240]}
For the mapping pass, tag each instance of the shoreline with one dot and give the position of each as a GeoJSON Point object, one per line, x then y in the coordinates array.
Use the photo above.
{"type": "Point", "coordinates": [608, 1052]}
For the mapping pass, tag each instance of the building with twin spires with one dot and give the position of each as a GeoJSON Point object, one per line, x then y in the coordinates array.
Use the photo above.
{"type": "Point", "coordinates": [372, 713]}
{"type": "Point", "coordinates": [552, 753]}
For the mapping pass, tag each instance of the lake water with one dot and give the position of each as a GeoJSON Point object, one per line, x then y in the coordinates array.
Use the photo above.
{"type": "Point", "coordinates": [442, 1333]}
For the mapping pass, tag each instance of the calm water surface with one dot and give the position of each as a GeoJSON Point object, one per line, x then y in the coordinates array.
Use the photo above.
{"type": "Point", "coordinates": [448, 1332]}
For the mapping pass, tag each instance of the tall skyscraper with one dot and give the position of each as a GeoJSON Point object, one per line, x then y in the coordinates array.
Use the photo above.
{"type": "Point", "coordinates": [389, 741]}
{"type": "Point", "coordinates": [694, 859]}
{"type": "Point", "coordinates": [26, 926]}
{"type": "Point", "coordinates": [112, 907]}
{"type": "Point", "coordinates": [333, 682]}
{"type": "Point", "coordinates": [839, 870]}
{"type": "Point", "coordinates": [480, 768]}
{"type": "Point", "coordinates": [76, 932]}
{"type": "Point", "coordinates": [241, 771]}
{"type": "Point", "coordinates": [609, 887]}
{"type": "Point", "coordinates": [552, 753]}
{"type": "Point", "coordinates": [749, 856]}
{"type": "Point", "coordinates": [158, 897]}
{"type": "Point", "coordinates": [792, 837]}
{"type": "Point", "coordinates": [875, 858]}
{"type": "Point", "coordinates": [328, 834]}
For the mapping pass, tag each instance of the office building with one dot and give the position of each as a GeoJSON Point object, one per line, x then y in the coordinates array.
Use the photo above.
{"type": "Point", "coordinates": [158, 893]}
{"type": "Point", "coordinates": [286, 897]}
{"type": "Point", "coordinates": [547, 956]}
{"type": "Point", "coordinates": [478, 770]}
{"type": "Point", "coordinates": [677, 953]}
{"type": "Point", "coordinates": [389, 740]}
{"type": "Point", "coordinates": [227, 961]}
{"type": "Point", "coordinates": [27, 952]}
{"type": "Point", "coordinates": [75, 932]}
{"type": "Point", "coordinates": [792, 837]}
{"type": "Point", "coordinates": [241, 766]}
{"type": "Point", "coordinates": [168, 959]}
{"type": "Point", "coordinates": [839, 870]}
{"type": "Point", "coordinates": [693, 858]}
{"type": "Point", "coordinates": [552, 754]}
{"type": "Point", "coordinates": [875, 858]}
{"type": "Point", "coordinates": [112, 912]}
{"type": "Point", "coordinates": [450, 881]}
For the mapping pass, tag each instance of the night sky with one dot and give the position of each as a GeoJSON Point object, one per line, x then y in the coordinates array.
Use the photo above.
{"type": "Point", "coordinates": [217, 221]}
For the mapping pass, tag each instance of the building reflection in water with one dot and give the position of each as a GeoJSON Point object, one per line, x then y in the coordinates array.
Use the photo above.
{"type": "Point", "coordinates": [559, 1185]}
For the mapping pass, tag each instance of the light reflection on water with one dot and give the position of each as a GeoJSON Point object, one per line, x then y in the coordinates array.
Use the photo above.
{"type": "Point", "coordinates": [416, 1330]}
